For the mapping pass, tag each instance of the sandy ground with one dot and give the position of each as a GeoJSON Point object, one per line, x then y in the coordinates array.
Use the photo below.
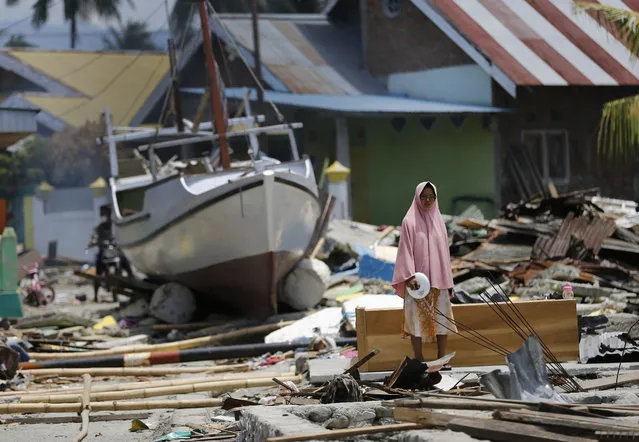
{"type": "Point", "coordinates": [160, 421]}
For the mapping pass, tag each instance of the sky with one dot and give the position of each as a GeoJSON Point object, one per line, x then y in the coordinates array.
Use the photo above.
{"type": "Point", "coordinates": [55, 34]}
{"type": "Point", "coordinates": [150, 11]}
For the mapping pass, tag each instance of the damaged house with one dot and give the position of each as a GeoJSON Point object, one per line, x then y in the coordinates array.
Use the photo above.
{"type": "Point", "coordinates": [312, 71]}
{"type": "Point", "coordinates": [491, 100]}
{"type": "Point", "coordinates": [61, 90]}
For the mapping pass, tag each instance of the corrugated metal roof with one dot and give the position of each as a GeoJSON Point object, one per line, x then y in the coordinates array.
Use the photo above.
{"type": "Point", "coordinates": [17, 120]}
{"type": "Point", "coordinates": [123, 81]}
{"type": "Point", "coordinates": [308, 56]}
{"type": "Point", "coordinates": [15, 124]}
{"type": "Point", "coordinates": [359, 104]}
{"type": "Point", "coordinates": [542, 42]}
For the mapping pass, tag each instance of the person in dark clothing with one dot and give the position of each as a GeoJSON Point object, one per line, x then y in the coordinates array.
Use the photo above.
{"type": "Point", "coordinates": [102, 234]}
{"type": "Point", "coordinates": [102, 237]}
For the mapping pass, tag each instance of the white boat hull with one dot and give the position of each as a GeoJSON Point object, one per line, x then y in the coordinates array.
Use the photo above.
{"type": "Point", "coordinates": [232, 242]}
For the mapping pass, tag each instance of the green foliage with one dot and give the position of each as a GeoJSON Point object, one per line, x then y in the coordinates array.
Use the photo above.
{"type": "Point", "coordinates": [74, 159]}
{"type": "Point", "coordinates": [71, 158]}
{"type": "Point", "coordinates": [18, 41]}
{"type": "Point", "coordinates": [131, 36]}
{"type": "Point", "coordinates": [24, 167]}
{"type": "Point", "coordinates": [619, 126]}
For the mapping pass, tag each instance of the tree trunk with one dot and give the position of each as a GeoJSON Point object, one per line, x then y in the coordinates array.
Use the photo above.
{"type": "Point", "coordinates": [74, 31]}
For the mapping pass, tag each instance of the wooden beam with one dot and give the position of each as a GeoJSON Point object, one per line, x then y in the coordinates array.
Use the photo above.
{"type": "Point", "coordinates": [499, 431]}
{"type": "Point", "coordinates": [610, 382]}
{"type": "Point", "coordinates": [349, 432]}
{"type": "Point", "coordinates": [482, 428]}
{"type": "Point", "coordinates": [575, 423]}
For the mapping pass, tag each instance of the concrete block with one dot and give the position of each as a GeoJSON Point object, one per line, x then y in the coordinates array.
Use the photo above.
{"type": "Point", "coordinates": [260, 423]}
{"type": "Point", "coordinates": [625, 396]}
{"type": "Point", "coordinates": [433, 436]}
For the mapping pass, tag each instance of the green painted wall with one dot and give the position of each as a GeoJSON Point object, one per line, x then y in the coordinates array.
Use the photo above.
{"type": "Point", "coordinates": [386, 165]}
{"type": "Point", "coordinates": [460, 161]}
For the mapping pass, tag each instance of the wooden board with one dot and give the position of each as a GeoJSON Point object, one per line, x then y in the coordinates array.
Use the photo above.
{"type": "Point", "coordinates": [554, 321]}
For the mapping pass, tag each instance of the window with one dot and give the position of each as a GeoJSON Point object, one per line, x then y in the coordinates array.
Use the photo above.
{"type": "Point", "coordinates": [550, 152]}
{"type": "Point", "coordinates": [392, 8]}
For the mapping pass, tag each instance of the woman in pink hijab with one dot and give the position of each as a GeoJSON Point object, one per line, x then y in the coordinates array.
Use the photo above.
{"type": "Point", "coordinates": [423, 247]}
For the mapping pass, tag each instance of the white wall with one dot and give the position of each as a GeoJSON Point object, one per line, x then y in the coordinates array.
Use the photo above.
{"type": "Point", "coordinates": [468, 84]}
{"type": "Point", "coordinates": [71, 228]}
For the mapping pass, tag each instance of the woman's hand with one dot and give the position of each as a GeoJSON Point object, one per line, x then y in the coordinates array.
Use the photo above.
{"type": "Point", "coordinates": [412, 283]}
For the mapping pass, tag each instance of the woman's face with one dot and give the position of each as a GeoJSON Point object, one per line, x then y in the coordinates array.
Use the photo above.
{"type": "Point", "coordinates": [427, 198]}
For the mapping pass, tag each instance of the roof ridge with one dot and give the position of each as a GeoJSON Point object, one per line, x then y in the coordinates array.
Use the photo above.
{"type": "Point", "coordinates": [85, 51]}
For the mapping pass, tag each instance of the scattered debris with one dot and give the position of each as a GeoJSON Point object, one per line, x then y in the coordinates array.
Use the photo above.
{"type": "Point", "coordinates": [159, 348]}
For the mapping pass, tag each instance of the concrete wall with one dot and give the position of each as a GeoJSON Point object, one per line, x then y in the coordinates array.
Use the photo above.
{"type": "Point", "coordinates": [407, 43]}
{"type": "Point", "coordinates": [387, 165]}
{"type": "Point", "coordinates": [457, 84]}
{"type": "Point", "coordinates": [67, 216]}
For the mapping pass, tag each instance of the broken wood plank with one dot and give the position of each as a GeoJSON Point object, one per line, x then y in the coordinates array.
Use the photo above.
{"type": "Point", "coordinates": [501, 431]}
{"type": "Point", "coordinates": [466, 403]}
{"type": "Point", "coordinates": [423, 417]}
{"type": "Point", "coordinates": [577, 423]}
{"type": "Point", "coordinates": [554, 321]}
{"type": "Point", "coordinates": [573, 410]}
{"type": "Point", "coordinates": [483, 428]}
{"type": "Point", "coordinates": [349, 432]}
{"type": "Point", "coordinates": [354, 369]}
{"type": "Point", "coordinates": [610, 382]}
{"type": "Point", "coordinates": [35, 420]}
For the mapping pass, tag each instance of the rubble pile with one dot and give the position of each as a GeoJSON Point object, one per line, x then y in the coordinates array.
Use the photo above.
{"type": "Point", "coordinates": [531, 252]}
{"type": "Point", "coordinates": [98, 368]}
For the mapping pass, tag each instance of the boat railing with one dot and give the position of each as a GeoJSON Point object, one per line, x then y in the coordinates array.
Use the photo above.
{"type": "Point", "coordinates": [142, 133]}
{"type": "Point", "coordinates": [200, 136]}
{"type": "Point", "coordinates": [210, 136]}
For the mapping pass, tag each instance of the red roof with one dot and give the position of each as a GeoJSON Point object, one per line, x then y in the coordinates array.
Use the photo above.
{"type": "Point", "coordinates": [542, 42]}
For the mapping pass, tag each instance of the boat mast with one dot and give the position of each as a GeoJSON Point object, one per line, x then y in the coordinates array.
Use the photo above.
{"type": "Point", "coordinates": [215, 97]}
{"type": "Point", "coordinates": [255, 15]}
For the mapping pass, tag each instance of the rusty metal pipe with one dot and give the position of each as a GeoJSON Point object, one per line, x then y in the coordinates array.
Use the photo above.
{"type": "Point", "coordinates": [175, 356]}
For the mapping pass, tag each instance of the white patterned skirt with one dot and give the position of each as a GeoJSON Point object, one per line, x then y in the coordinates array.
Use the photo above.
{"type": "Point", "coordinates": [428, 317]}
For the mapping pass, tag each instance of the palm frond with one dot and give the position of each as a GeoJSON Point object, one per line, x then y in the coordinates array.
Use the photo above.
{"type": "Point", "coordinates": [40, 12]}
{"type": "Point", "coordinates": [619, 128]}
{"type": "Point", "coordinates": [133, 35]}
{"type": "Point", "coordinates": [624, 21]}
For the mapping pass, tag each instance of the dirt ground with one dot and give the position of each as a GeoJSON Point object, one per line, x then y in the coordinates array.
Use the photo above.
{"type": "Point", "coordinates": [160, 422]}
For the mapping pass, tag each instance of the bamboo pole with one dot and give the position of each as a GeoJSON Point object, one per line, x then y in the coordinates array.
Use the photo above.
{"type": "Point", "coordinates": [86, 409]}
{"type": "Point", "coordinates": [220, 387]}
{"type": "Point", "coordinates": [136, 385]}
{"type": "Point", "coordinates": [76, 407]}
{"type": "Point", "coordinates": [133, 371]}
{"type": "Point", "coordinates": [169, 346]}
{"type": "Point", "coordinates": [211, 353]}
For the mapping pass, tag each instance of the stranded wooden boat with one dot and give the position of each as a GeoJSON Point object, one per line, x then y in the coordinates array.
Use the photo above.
{"type": "Point", "coordinates": [230, 232]}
